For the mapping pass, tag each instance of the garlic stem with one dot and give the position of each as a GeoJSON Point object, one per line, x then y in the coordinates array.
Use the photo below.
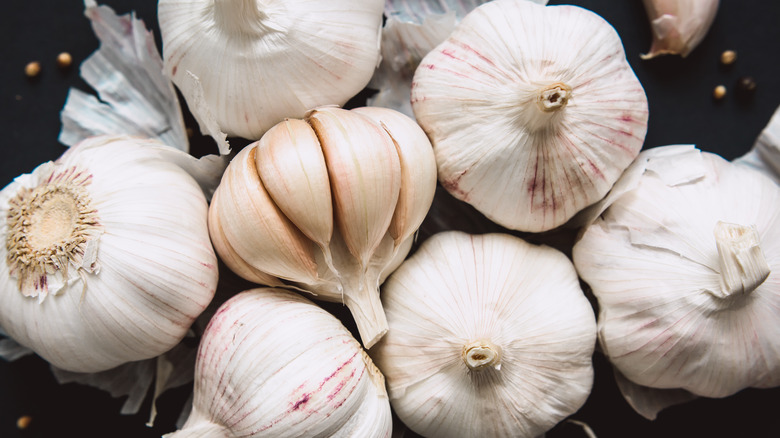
{"type": "Point", "coordinates": [478, 355]}
{"type": "Point", "coordinates": [743, 266]}
{"type": "Point", "coordinates": [366, 308]}
{"type": "Point", "coordinates": [243, 17]}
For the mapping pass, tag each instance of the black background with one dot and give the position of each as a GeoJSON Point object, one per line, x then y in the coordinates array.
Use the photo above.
{"type": "Point", "coordinates": [682, 111]}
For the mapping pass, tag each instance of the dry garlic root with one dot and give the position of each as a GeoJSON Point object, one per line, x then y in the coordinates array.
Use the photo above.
{"type": "Point", "coordinates": [328, 204]}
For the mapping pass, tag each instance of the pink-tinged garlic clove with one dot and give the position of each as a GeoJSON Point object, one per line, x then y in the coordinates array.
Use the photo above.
{"type": "Point", "coordinates": [678, 25]}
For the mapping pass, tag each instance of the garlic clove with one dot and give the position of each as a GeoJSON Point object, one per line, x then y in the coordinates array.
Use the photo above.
{"type": "Point", "coordinates": [291, 165]}
{"type": "Point", "coordinates": [365, 180]}
{"type": "Point", "coordinates": [678, 25]}
{"type": "Point", "coordinates": [558, 117]}
{"type": "Point", "coordinates": [418, 170]}
{"type": "Point", "coordinates": [229, 256]}
{"type": "Point", "coordinates": [256, 228]}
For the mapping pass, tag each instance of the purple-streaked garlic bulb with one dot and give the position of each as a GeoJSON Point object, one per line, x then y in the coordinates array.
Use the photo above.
{"type": "Point", "coordinates": [273, 364]}
{"type": "Point", "coordinates": [533, 111]}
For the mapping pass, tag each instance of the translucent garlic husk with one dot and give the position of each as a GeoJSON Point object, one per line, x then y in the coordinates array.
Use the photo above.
{"type": "Point", "coordinates": [106, 256]}
{"type": "Point", "coordinates": [685, 265]}
{"type": "Point", "coordinates": [678, 25]}
{"type": "Point", "coordinates": [489, 336]}
{"type": "Point", "coordinates": [273, 364]}
{"type": "Point", "coordinates": [533, 111]}
{"type": "Point", "coordinates": [249, 64]}
{"type": "Point", "coordinates": [328, 204]}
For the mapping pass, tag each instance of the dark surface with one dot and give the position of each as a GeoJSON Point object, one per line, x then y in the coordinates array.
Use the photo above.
{"type": "Point", "coordinates": [682, 110]}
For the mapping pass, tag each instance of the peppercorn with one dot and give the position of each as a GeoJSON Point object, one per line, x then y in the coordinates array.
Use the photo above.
{"type": "Point", "coordinates": [719, 92]}
{"type": "Point", "coordinates": [32, 69]}
{"type": "Point", "coordinates": [64, 60]}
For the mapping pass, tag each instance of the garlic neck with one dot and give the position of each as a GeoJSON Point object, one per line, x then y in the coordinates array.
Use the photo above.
{"type": "Point", "coordinates": [241, 17]}
{"type": "Point", "coordinates": [543, 104]}
{"type": "Point", "coordinates": [478, 355]}
{"type": "Point", "coordinates": [743, 266]}
{"type": "Point", "coordinates": [50, 228]}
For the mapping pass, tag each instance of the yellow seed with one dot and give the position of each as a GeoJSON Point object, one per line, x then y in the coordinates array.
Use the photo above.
{"type": "Point", "coordinates": [64, 60]}
{"type": "Point", "coordinates": [719, 92]}
{"type": "Point", "coordinates": [728, 57]}
{"type": "Point", "coordinates": [23, 422]}
{"type": "Point", "coordinates": [32, 69]}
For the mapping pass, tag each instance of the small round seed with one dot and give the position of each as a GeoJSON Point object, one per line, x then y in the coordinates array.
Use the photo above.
{"type": "Point", "coordinates": [64, 60]}
{"type": "Point", "coordinates": [23, 422]}
{"type": "Point", "coordinates": [719, 92]}
{"type": "Point", "coordinates": [32, 69]}
{"type": "Point", "coordinates": [728, 57]}
{"type": "Point", "coordinates": [746, 84]}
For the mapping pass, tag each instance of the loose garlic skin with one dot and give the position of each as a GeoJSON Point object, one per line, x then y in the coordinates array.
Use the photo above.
{"type": "Point", "coordinates": [106, 257]}
{"type": "Point", "coordinates": [252, 63]}
{"type": "Point", "coordinates": [685, 264]}
{"type": "Point", "coordinates": [533, 111]}
{"type": "Point", "coordinates": [489, 336]}
{"type": "Point", "coordinates": [678, 25]}
{"type": "Point", "coordinates": [273, 364]}
{"type": "Point", "coordinates": [328, 204]}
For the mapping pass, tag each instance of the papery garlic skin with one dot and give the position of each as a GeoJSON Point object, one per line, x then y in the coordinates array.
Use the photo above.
{"type": "Point", "coordinates": [679, 265]}
{"type": "Point", "coordinates": [125, 280]}
{"type": "Point", "coordinates": [678, 25]}
{"type": "Point", "coordinates": [489, 336]}
{"type": "Point", "coordinates": [258, 62]}
{"type": "Point", "coordinates": [328, 204]}
{"type": "Point", "coordinates": [273, 364]}
{"type": "Point", "coordinates": [533, 111]}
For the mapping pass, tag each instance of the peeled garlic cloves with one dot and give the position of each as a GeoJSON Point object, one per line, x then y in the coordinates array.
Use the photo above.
{"type": "Point", "coordinates": [678, 25]}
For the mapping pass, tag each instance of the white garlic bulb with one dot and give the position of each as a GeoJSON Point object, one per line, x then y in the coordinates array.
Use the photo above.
{"type": "Point", "coordinates": [328, 204]}
{"type": "Point", "coordinates": [106, 256]}
{"type": "Point", "coordinates": [678, 25]}
{"type": "Point", "coordinates": [533, 111]}
{"type": "Point", "coordinates": [252, 63]}
{"type": "Point", "coordinates": [273, 364]}
{"type": "Point", "coordinates": [685, 264]}
{"type": "Point", "coordinates": [489, 336]}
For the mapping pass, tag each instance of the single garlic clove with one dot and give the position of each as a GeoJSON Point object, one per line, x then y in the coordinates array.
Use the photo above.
{"type": "Point", "coordinates": [678, 25]}
{"type": "Point", "coordinates": [530, 130]}
{"type": "Point", "coordinates": [292, 167]}
{"type": "Point", "coordinates": [418, 169]}
{"type": "Point", "coordinates": [229, 256]}
{"type": "Point", "coordinates": [365, 180]}
{"type": "Point", "coordinates": [255, 227]}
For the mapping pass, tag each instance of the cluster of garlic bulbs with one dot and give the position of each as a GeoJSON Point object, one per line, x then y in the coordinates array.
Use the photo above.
{"type": "Point", "coordinates": [558, 117]}
{"type": "Point", "coordinates": [256, 376]}
{"type": "Point", "coordinates": [328, 204]}
{"type": "Point", "coordinates": [106, 257]}
{"type": "Point", "coordinates": [684, 263]}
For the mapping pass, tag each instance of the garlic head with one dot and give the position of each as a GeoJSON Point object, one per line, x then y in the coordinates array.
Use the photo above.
{"type": "Point", "coordinates": [685, 264]}
{"type": "Point", "coordinates": [533, 111]}
{"type": "Point", "coordinates": [328, 204]}
{"type": "Point", "coordinates": [106, 257]}
{"type": "Point", "coordinates": [273, 364]}
{"type": "Point", "coordinates": [252, 63]}
{"type": "Point", "coordinates": [678, 25]}
{"type": "Point", "coordinates": [489, 336]}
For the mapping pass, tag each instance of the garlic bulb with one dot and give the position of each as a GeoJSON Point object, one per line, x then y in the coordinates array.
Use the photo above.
{"type": "Point", "coordinates": [489, 336]}
{"type": "Point", "coordinates": [678, 25]}
{"type": "Point", "coordinates": [685, 264]}
{"type": "Point", "coordinates": [273, 364]}
{"type": "Point", "coordinates": [328, 204]}
{"type": "Point", "coordinates": [533, 111]}
{"type": "Point", "coordinates": [252, 63]}
{"type": "Point", "coordinates": [765, 153]}
{"type": "Point", "coordinates": [106, 256]}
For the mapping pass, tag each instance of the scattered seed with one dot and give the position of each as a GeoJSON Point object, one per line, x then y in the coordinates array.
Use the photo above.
{"type": "Point", "coordinates": [23, 422]}
{"type": "Point", "coordinates": [746, 84]}
{"type": "Point", "coordinates": [32, 69]}
{"type": "Point", "coordinates": [719, 92]}
{"type": "Point", "coordinates": [728, 57]}
{"type": "Point", "coordinates": [64, 60]}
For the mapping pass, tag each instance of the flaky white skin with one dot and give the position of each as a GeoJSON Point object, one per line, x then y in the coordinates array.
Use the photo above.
{"type": "Point", "coordinates": [268, 60]}
{"type": "Point", "coordinates": [273, 364]}
{"type": "Point", "coordinates": [652, 262]}
{"type": "Point", "coordinates": [475, 97]}
{"type": "Point", "coordinates": [156, 273]}
{"type": "Point", "coordinates": [523, 298]}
